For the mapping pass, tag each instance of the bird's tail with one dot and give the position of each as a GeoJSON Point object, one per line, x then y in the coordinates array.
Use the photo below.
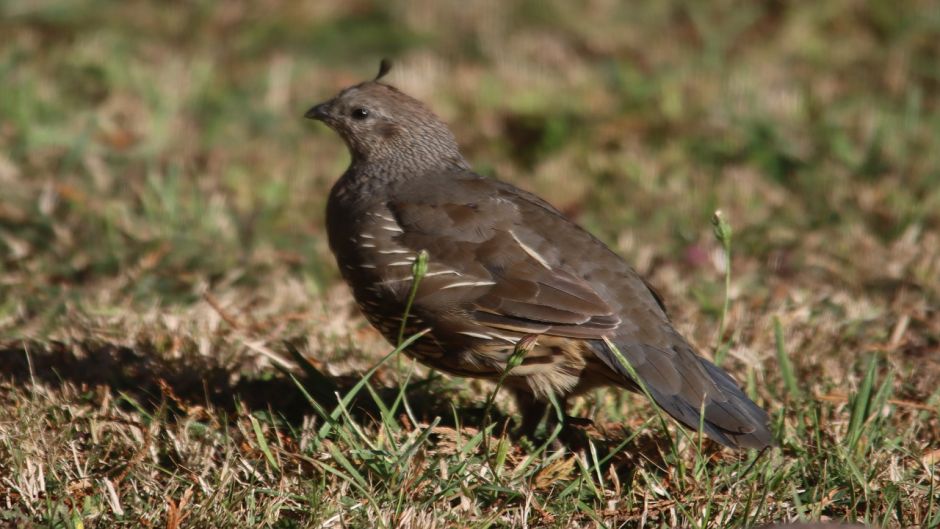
{"type": "Point", "coordinates": [685, 385]}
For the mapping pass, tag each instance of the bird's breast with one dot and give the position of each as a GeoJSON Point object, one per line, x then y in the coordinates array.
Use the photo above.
{"type": "Point", "coordinates": [378, 269]}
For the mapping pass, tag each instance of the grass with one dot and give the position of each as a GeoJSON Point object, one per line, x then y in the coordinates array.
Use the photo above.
{"type": "Point", "coordinates": [176, 346]}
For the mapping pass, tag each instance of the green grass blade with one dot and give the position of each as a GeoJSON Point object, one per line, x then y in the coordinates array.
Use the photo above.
{"type": "Point", "coordinates": [861, 405]}
{"type": "Point", "coordinates": [642, 385]}
{"type": "Point", "coordinates": [723, 231]}
{"type": "Point", "coordinates": [420, 440]}
{"type": "Point", "coordinates": [418, 269]}
{"type": "Point", "coordinates": [320, 385]}
{"type": "Point", "coordinates": [786, 367]}
{"type": "Point", "coordinates": [351, 394]}
{"type": "Point", "coordinates": [522, 347]}
{"type": "Point", "coordinates": [263, 443]}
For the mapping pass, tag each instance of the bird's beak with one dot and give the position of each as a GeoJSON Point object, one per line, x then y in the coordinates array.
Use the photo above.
{"type": "Point", "coordinates": [320, 112]}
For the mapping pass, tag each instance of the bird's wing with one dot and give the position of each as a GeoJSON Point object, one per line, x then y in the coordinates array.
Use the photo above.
{"type": "Point", "coordinates": [488, 262]}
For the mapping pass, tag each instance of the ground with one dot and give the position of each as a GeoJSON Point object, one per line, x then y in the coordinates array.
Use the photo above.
{"type": "Point", "coordinates": [168, 302]}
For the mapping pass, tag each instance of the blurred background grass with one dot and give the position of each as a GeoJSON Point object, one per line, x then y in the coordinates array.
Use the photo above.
{"type": "Point", "coordinates": [159, 189]}
{"type": "Point", "coordinates": [170, 136]}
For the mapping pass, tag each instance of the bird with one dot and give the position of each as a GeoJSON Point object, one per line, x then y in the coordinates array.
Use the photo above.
{"type": "Point", "coordinates": [503, 267]}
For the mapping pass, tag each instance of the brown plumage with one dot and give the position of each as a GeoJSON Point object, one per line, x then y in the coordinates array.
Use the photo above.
{"type": "Point", "coordinates": [503, 264]}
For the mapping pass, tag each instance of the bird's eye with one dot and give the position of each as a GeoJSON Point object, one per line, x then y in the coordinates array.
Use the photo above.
{"type": "Point", "coordinates": [360, 113]}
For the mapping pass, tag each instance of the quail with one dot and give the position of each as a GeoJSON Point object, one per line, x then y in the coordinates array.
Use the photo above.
{"type": "Point", "coordinates": [503, 265]}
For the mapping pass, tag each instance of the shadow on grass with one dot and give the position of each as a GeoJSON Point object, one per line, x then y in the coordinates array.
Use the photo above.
{"type": "Point", "coordinates": [189, 380]}
{"type": "Point", "coordinates": [154, 380]}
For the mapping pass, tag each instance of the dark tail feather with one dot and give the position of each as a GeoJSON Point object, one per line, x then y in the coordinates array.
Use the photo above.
{"type": "Point", "coordinates": [679, 381]}
{"type": "Point", "coordinates": [733, 421]}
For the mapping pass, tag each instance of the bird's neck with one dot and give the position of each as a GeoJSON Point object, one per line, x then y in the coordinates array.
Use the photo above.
{"type": "Point", "coordinates": [379, 169]}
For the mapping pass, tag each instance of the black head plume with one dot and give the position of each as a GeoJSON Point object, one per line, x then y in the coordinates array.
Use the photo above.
{"type": "Point", "coordinates": [384, 66]}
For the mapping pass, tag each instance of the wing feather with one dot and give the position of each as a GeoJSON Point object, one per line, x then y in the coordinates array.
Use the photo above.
{"type": "Point", "coordinates": [509, 276]}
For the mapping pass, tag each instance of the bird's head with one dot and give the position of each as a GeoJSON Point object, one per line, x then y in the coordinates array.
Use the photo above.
{"type": "Point", "coordinates": [379, 123]}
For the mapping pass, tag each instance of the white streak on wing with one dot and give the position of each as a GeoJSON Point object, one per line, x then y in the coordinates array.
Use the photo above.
{"type": "Point", "coordinates": [367, 245]}
{"type": "Point", "coordinates": [398, 279]}
{"type": "Point", "coordinates": [402, 263]}
{"type": "Point", "coordinates": [532, 253]}
{"type": "Point", "coordinates": [370, 266]}
{"type": "Point", "coordinates": [429, 274]}
{"type": "Point", "coordinates": [516, 328]}
{"type": "Point", "coordinates": [383, 217]}
{"type": "Point", "coordinates": [367, 235]}
{"type": "Point", "coordinates": [394, 251]}
{"type": "Point", "coordinates": [475, 335]}
{"type": "Point", "coordinates": [510, 339]}
{"type": "Point", "coordinates": [469, 284]}
{"type": "Point", "coordinates": [441, 272]}
{"type": "Point", "coordinates": [393, 228]}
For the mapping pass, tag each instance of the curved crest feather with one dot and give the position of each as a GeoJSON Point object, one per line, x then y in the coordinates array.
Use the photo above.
{"type": "Point", "coordinates": [385, 65]}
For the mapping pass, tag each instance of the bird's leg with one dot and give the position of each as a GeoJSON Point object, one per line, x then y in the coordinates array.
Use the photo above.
{"type": "Point", "coordinates": [571, 435]}
{"type": "Point", "coordinates": [532, 410]}
{"type": "Point", "coordinates": [574, 432]}
{"type": "Point", "coordinates": [579, 422]}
